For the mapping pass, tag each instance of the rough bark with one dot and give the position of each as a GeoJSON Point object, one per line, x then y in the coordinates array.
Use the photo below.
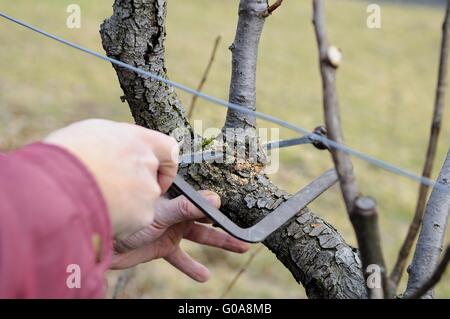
{"type": "Point", "coordinates": [432, 233]}
{"type": "Point", "coordinates": [135, 35]}
{"type": "Point", "coordinates": [309, 247]}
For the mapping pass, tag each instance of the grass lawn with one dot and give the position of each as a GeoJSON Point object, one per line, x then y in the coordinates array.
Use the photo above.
{"type": "Point", "coordinates": [386, 86]}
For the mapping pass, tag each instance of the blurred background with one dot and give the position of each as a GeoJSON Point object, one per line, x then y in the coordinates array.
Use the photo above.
{"type": "Point", "coordinates": [386, 86]}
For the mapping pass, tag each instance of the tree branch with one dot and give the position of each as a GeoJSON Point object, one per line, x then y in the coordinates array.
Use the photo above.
{"type": "Point", "coordinates": [405, 250]}
{"type": "Point", "coordinates": [135, 34]}
{"type": "Point", "coordinates": [435, 277]}
{"type": "Point", "coordinates": [312, 250]}
{"type": "Point", "coordinates": [431, 237]}
{"type": "Point", "coordinates": [245, 57]}
{"type": "Point", "coordinates": [273, 7]}
{"type": "Point", "coordinates": [361, 210]}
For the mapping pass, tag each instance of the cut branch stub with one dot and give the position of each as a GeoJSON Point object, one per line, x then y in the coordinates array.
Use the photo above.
{"type": "Point", "coordinates": [364, 218]}
{"type": "Point", "coordinates": [334, 56]}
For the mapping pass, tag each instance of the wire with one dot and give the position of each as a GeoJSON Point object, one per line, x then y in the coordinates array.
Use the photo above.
{"type": "Point", "coordinates": [213, 155]}
{"type": "Point", "coordinates": [377, 162]}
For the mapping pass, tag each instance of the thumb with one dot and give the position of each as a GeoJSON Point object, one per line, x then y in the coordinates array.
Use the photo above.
{"type": "Point", "coordinates": [180, 209]}
{"type": "Point", "coordinates": [167, 213]}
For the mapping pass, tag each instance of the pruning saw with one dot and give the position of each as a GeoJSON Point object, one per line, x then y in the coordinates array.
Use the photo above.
{"type": "Point", "coordinates": [273, 221]}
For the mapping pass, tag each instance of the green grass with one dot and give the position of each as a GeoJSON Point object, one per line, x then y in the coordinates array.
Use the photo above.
{"type": "Point", "coordinates": [386, 86]}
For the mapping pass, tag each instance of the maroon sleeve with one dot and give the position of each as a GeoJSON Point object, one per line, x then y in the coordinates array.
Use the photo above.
{"type": "Point", "coordinates": [55, 233]}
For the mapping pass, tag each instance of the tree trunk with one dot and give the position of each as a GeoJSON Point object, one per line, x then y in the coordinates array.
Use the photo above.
{"type": "Point", "coordinates": [309, 247]}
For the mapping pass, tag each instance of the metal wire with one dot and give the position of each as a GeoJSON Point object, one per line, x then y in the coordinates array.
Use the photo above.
{"type": "Point", "coordinates": [372, 160]}
{"type": "Point", "coordinates": [213, 155]}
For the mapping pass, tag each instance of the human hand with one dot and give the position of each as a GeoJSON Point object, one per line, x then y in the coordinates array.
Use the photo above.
{"type": "Point", "coordinates": [175, 220]}
{"type": "Point", "coordinates": [133, 166]}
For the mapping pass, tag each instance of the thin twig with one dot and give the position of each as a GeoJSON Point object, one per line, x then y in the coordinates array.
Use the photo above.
{"type": "Point", "coordinates": [241, 271]}
{"type": "Point", "coordinates": [273, 7]}
{"type": "Point", "coordinates": [405, 250]}
{"type": "Point", "coordinates": [122, 283]}
{"type": "Point", "coordinates": [435, 277]}
{"type": "Point", "coordinates": [361, 210]}
{"type": "Point", "coordinates": [205, 74]}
